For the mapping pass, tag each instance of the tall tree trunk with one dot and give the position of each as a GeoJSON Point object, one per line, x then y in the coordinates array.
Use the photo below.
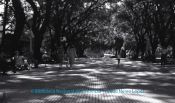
{"type": "Point", "coordinates": [37, 45]}
{"type": "Point", "coordinates": [20, 22]}
{"type": "Point", "coordinates": [37, 30]}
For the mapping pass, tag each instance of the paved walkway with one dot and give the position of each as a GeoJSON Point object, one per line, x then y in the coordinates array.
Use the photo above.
{"type": "Point", "coordinates": [91, 81]}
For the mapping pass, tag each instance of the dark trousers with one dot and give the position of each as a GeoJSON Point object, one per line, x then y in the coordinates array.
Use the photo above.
{"type": "Point", "coordinates": [163, 59]}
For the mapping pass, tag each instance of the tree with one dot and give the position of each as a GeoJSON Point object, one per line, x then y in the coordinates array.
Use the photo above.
{"type": "Point", "coordinates": [76, 21]}
{"type": "Point", "coordinates": [19, 16]}
{"type": "Point", "coordinates": [40, 22]}
{"type": "Point", "coordinates": [151, 22]}
{"type": "Point", "coordinates": [20, 22]}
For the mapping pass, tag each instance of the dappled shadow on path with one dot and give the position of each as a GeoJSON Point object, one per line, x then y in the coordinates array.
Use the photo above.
{"type": "Point", "coordinates": [92, 74]}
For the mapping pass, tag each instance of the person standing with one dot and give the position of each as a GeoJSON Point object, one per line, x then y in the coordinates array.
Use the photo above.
{"type": "Point", "coordinates": [71, 55]}
{"type": "Point", "coordinates": [3, 63]}
{"type": "Point", "coordinates": [60, 53]}
{"type": "Point", "coordinates": [163, 56]}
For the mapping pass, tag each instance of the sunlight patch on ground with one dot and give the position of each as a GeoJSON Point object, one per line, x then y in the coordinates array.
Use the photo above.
{"type": "Point", "coordinates": [127, 62]}
{"type": "Point", "coordinates": [96, 86]}
{"type": "Point", "coordinates": [144, 99]}
{"type": "Point", "coordinates": [134, 80]}
{"type": "Point", "coordinates": [94, 81]}
{"type": "Point", "coordinates": [14, 81]}
{"type": "Point", "coordinates": [163, 97]}
{"type": "Point", "coordinates": [74, 74]}
{"type": "Point", "coordinates": [49, 65]}
{"type": "Point", "coordinates": [91, 70]}
{"type": "Point", "coordinates": [121, 73]}
{"type": "Point", "coordinates": [89, 77]}
{"type": "Point", "coordinates": [28, 77]}
{"type": "Point", "coordinates": [137, 83]}
{"type": "Point", "coordinates": [80, 65]}
{"type": "Point", "coordinates": [49, 72]}
{"type": "Point", "coordinates": [98, 62]}
{"type": "Point", "coordinates": [141, 64]}
{"type": "Point", "coordinates": [134, 64]}
{"type": "Point", "coordinates": [134, 74]}
{"type": "Point", "coordinates": [52, 98]}
{"type": "Point", "coordinates": [35, 101]}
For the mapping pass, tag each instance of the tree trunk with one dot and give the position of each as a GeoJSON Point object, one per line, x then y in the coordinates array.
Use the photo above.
{"type": "Point", "coordinates": [37, 30]}
{"type": "Point", "coordinates": [20, 22]}
{"type": "Point", "coordinates": [37, 54]}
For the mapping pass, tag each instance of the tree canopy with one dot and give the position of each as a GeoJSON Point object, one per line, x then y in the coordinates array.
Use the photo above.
{"type": "Point", "coordinates": [137, 25]}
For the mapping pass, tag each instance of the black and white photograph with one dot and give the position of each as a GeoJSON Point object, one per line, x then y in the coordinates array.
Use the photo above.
{"type": "Point", "coordinates": [87, 51]}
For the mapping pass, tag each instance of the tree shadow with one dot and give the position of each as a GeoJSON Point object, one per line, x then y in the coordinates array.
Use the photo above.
{"type": "Point", "coordinates": [92, 75]}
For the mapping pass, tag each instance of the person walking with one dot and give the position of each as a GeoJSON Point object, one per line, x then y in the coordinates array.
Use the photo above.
{"type": "Point", "coordinates": [118, 58]}
{"type": "Point", "coordinates": [71, 55]}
